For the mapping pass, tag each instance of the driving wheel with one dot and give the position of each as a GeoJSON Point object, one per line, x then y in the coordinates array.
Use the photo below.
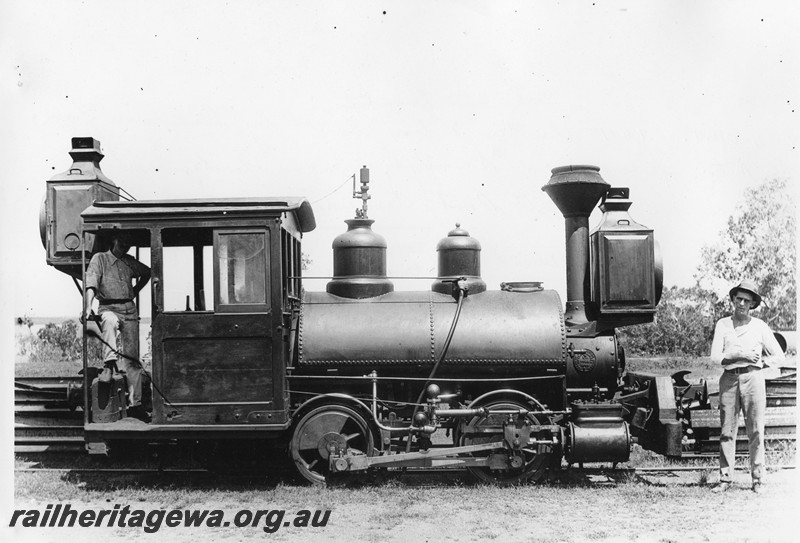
{"type": "Point", "coordinates": [325, 430]}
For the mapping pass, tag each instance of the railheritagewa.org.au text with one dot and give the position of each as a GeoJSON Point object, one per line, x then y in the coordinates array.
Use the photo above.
{"type": "Point", "coordinates": [151, 521]}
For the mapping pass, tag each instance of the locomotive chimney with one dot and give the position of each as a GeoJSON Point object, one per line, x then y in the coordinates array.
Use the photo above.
{"type": "Point", "coordinates": [576, 190]}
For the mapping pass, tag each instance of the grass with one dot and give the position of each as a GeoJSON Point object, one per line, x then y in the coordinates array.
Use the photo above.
{"type": "Point", "coordinates": [56, 368]}
{"type": "Point", "coordinates": [701, 367]}
{"type": "Point", "coordinates": [643, 508]}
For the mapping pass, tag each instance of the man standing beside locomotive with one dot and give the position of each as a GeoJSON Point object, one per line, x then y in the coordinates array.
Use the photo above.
{"type": "Point", "coordinates": [110, 277]}
{"type": "Point", "coordinates": [739, 343]}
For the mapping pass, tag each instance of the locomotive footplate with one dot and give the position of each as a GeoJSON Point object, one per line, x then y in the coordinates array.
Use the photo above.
{"type": "Point", "coordinates": [503, 455]}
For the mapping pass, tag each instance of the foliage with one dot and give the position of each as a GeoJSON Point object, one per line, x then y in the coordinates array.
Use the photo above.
{"type": "Point", "coordinates": [758, 244]}
{"type": "Point", "coordinates": [700, 366]}
{"type": "Point", "coordinates": [23, 336]}
{"type": "Point", "coordinates": [62, 336]}
{"type": "Point", "coordinates": [26, 320]}
{"type": "Point", "coordinates": [59, 342]}
{"type": "Point", "coordinates": [683, 325]}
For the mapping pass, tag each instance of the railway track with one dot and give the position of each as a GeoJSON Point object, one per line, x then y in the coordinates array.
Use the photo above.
{"type": "Point", "coordinates": [54, 430]}
{"type": "Point", "coordinates": [48, 392]}
{"type": "Point", "coordinates": [48, 418]}
{"type": "Point", "coordinates": [47, 415]}
{"type": "Point", "coordinates": [781, 422]}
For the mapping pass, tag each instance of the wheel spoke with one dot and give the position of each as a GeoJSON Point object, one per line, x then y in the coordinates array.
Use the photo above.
{"type": "Point", "coordinates": [319, 425]}
{"type": "Point", "coordinates": [314, 432]}
{"type": "Point", "coordinates": [535, 463]}
{"type": "Point", "coordinates": [301, 460]}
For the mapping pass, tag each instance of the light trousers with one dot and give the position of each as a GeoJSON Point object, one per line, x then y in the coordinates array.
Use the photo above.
{"type": "Point", "coordinates": [123, 320]}
{"type": "Point", "coordinates": [744, 392]}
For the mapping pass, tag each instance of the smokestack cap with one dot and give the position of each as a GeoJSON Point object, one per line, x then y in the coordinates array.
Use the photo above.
{"type": "Point", "coordinates": [86, 150]}
{"type": "Point", "coordinates": [576, 189]}
{"type": "Point", "coordinates": [577, 171]}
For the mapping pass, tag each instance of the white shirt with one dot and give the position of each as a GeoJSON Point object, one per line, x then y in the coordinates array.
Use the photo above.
{"type": "Point", "coordinates": [112, 277]}
{"type": "Point", "coordinates": [755, 335]}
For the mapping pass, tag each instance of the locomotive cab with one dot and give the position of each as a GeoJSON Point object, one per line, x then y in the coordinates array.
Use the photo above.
{"type": "Point", "coordinates": [225, 290]}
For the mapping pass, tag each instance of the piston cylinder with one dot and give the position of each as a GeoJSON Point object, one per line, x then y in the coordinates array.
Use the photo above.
{"type": "Point", "coordinates": [597, 434]}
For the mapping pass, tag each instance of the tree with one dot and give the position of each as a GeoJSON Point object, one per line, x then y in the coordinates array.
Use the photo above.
{"type": "Point", "coordinates": [23, 335]}
{"type": "Point", "coordinates": [63, 342]}
{"type": "Point", "coordinates": [683, 325]}
{"type": "Point", "coordinates": [62, 337]}
{"type": "Point", "coordinates": [758, 244]}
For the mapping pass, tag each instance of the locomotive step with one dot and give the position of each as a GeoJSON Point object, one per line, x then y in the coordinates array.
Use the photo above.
{"type": "Point", "coordinates": [25, 431]}
{"type": "Point", "coordinates": [48, 440]}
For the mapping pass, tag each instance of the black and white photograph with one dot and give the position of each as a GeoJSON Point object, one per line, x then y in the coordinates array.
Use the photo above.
{"type": "Point", "coordinates": [399, 271]}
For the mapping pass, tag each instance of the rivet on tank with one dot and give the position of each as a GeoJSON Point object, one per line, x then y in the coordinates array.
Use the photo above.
{"type": "Point", "coordinates": [459, 256]}
{"type": "Point", "coordinates": [359, 255]}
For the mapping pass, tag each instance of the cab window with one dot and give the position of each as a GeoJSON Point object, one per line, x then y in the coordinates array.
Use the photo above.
{"type": "Point", "coordinates": [187, 270]}
{"type": "Point", "coordinates": [241, 270]}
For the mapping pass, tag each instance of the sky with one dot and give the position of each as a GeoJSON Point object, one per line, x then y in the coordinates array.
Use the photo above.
{"type": "Point", "coordinates": [459, 109]}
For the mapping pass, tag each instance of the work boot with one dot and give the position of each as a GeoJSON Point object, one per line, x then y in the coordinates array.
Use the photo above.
{"type": "Point", "coordinates": [758, 488]}
{"type": "Point", "coordinates": [138, 412]}
{"type": "Point", "coordinates": [109, 367]}
{"type": "Point", "coordinates": [722, 486]}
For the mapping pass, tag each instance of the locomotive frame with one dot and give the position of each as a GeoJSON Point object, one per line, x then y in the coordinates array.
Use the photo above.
{"type": "Point", "coordinates": [514, 380]}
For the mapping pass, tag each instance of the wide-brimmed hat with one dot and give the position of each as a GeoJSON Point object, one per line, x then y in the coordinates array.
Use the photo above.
{"type": "Point", "coordinates": [750, 287]}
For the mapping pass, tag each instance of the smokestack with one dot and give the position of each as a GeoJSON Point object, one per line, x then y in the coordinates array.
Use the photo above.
{"type": "Point", "coordinates": [576, 190]}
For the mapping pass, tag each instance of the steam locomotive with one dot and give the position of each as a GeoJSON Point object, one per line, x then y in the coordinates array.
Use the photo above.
{"type": "Point", "coordinates": [504, 383]}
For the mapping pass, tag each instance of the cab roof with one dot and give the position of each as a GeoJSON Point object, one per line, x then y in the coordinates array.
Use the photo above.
{"type": "Point", "coordinates": [200, 209]}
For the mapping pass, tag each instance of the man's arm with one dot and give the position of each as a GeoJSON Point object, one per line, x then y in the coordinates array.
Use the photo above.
{"type": "Point", "coordinates": [772, 349]}
{"type": "Point", "coordinates": [142, 279]}
{"type": "Point", "coordinates": [141, 282]}
{"type": "Point", "coordinates": [717, 356]}
{"type": "Point", "coordinates": [93, 275]}
{"type": "Point", "coordinates": [727, 357]}
{"type": "Point", "coordinates": [87, 308]}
